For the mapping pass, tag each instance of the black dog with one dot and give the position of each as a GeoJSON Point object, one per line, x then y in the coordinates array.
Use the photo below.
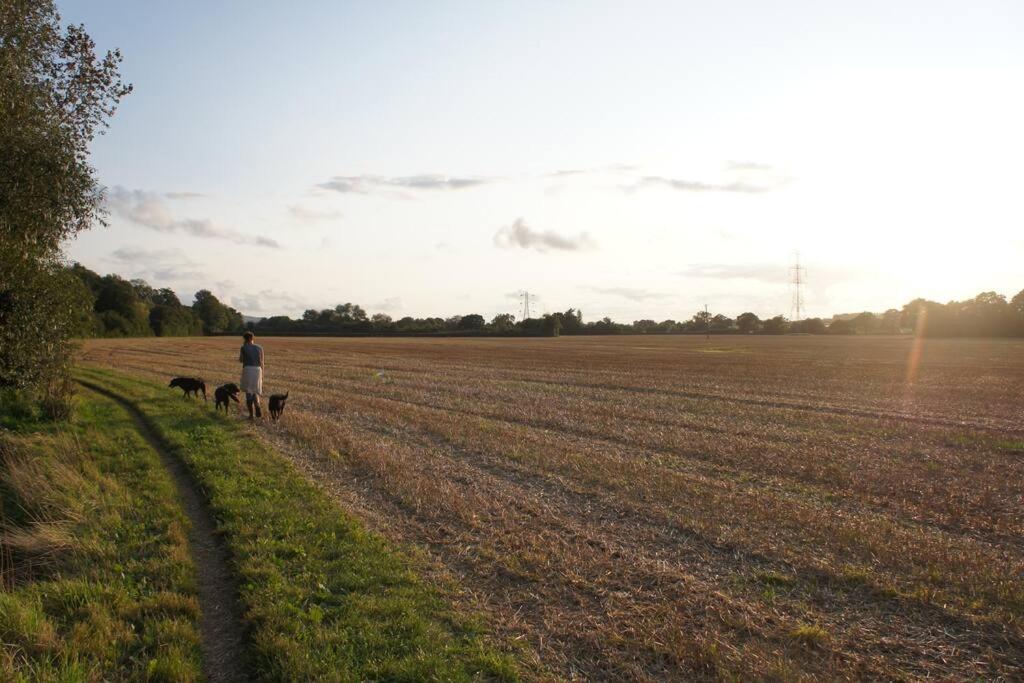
{"type": "Point", "coordinates": [189, 385]}
{"type": "Point", "coordinates": [225, 393]}
{"type": "Point", "coordinates": [277, 404]}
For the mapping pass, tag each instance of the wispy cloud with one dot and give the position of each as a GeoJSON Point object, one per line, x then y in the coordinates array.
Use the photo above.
{"type": "Point", "coordinates": [631, 293]}
{"type": "Point", "coordinates": [762, 272]}
{"type": "Point", "coordinates": [748, 166]}
{"type": "Point", "coordinates": [184, 195]}
{"type": "Point", "coordinates": [304, 214]}
{"type": "Point", "coordinates": [820, 276]}
{"type": "Point", "coordinates": [682, 185]}
{"type": "Point", "coordinates": [389, 305]}
{"type": "Point", "coordinates": [266, 302]}
{"type": "Point", "coordinates": [365, 184]}
{"type": "Point", "coordinates": [158, 265]}
{"type": "Point", "coordinates": [565, 174]}
{"type": "Point", "coordinates": [520, 235]}
{"type": "Point", "coordinates": [596, 170]}
{"type": "Point", "coordinates": [147, 209]}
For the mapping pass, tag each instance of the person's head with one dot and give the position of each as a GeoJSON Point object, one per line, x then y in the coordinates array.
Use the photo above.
{"type": "Point", "coordinates": [248, 336]}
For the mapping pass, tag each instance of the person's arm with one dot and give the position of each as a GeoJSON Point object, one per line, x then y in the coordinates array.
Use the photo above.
{"type": "Point", "coordinates": [261, 357]}
{"type": "Point", "coordinates": [241, 356]}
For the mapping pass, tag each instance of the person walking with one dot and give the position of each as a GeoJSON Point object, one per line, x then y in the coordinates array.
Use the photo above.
{"type": "Point", "coordinates": [251, 358]}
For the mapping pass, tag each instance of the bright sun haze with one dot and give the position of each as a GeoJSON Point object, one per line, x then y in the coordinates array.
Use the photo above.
{"type": "Point", "coordinates": [632, 160]}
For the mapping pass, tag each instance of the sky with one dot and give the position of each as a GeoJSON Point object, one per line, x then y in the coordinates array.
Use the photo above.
{"type": "Point", "coordinates": [632, 160]}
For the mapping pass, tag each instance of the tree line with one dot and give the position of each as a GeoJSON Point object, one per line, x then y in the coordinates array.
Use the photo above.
{"type": "Point", "coordinates": [110, 306]}
{"type": "Point", "coordinates": [114, 307]}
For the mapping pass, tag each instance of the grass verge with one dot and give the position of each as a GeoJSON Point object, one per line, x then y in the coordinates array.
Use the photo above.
{"type": "Point", "coordinates": [97, 582]}
{"type": "Point", "coordinates": [324, 599]}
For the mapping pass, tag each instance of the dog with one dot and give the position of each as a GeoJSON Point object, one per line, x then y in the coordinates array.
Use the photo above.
{"type": "Point", "coordinates": [190, 385]}
{"type": "Point", "coordinates": [224, 394]}
{"type": "Point", "coordinates": [277, 405]}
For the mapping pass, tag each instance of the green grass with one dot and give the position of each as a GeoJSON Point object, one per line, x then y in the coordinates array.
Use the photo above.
{"type": "Point", "coordinates": [98, 583]}
{"type": "Point", "coordinates": [1011, 445]}
{"type": "Point", "coordinates": [323, 598]}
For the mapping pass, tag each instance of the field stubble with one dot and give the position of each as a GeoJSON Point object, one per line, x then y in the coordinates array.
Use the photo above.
{"type": "Point", "coordinates": [667, 507]}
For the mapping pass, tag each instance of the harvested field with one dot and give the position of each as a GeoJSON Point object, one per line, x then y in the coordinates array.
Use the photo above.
{"type": "Point", "coordinates": [668, 507]}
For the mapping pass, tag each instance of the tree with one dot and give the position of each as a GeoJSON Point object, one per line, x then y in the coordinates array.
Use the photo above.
{"type": "Point", "coordinates": [701, 321]}
{"type": "Point", "coordinates": [349, 312]}
{"type": "Point", "coordinates": [1017, 309]}
{"type": "Point", "coordinates": [865, 323]}
{"type": "Point", "coordinates": [808, 326]}
{"type": "Point", "coordinates": [57, 94]}
{"type": "Point", "coordinates": [168, 320]}
{"type": "Point", "coordinates": [889, 322]}
{"type": "Point", "coordinates": [747, 323]}
{"type": "Point", "coordinates": [473, 321]}
{"type": "Point", "coordinates": [503, 322]}
{"type": "Point", "coordinates": [215, 316]}
{"type": "Point", "coordinates": [572, 321]}
{"type": "Point", "coordinates": [721, 323]}
{"type": "Point", "coordinates": [912, 312]}
{"type": "Point", "coordinates": [551, 325]}
{"type": "Point", "coordinates": [119, 308]}
{"type": "Point", "coordinates": [776, 325]}
{"type": "Point", "coordinates": [986, 315]}
{"type": "Point", "coordinates": [36, 320]}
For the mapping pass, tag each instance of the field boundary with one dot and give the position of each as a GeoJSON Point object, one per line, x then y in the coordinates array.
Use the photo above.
{"type": "Point", "coordinates": [220, 622]}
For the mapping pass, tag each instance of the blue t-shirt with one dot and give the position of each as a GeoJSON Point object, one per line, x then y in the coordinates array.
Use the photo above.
{"type": "Point", "coordinates": [251, 354]}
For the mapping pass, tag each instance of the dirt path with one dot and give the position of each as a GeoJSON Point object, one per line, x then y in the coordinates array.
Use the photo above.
{"type": "Point", "coordinates": [220, 623]}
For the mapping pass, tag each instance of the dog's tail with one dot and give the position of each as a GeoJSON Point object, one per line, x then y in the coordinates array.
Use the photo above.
{"type": "Point", "coordinates": [286, 394]}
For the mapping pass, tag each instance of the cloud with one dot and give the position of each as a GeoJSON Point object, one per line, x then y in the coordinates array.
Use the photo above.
{"type": "Point", "coordinates": [365, 184]}
{"type": "Point", "coordinates": [184, 195]}
{"type": "Point", "coordinates": [564, 174]}
{"type": "Point", "coordinates": [158, 265]}
{"type": "Point", "coordinates": [267, 302]}
{"type": "Point", "coordinates": [596, 170]}
{"type": "Point", "coordinates": [307, 215]}
{"type": "Point", "coordinates": [631, 293]}
{"type": "Point", "coordinates": [698, 186]}
{"type": "Point", "coordinates": [762, 272]}
{"type": "Point", "coordinates": [747, 166]}
{"type": "Point", "coordinates": [392, 303]}
{"type": "Point", "coordinates": [822, 276]}
{"type": "Point", "coordinates": [148, 210]}
{"type": "Point", "coordinates": [520, 235]}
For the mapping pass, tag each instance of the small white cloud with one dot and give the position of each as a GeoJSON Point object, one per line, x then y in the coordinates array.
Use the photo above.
{"type": "Point", "coordinates": [304, 214]}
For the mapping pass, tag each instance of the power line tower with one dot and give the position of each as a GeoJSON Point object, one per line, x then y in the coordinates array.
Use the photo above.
{"type": "Point", "coordinates": [526, 298]}
{"type": "Point", "coordinates": [798, 278]}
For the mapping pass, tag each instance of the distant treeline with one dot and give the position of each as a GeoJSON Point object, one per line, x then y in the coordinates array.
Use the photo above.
{"type": "Point", "coordinates": [116, 307]}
